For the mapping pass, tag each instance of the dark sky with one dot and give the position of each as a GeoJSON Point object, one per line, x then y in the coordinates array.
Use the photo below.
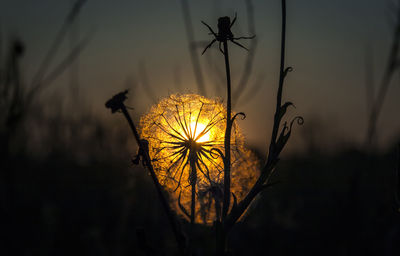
{"type": "Point", "coordinates": [327, 42]}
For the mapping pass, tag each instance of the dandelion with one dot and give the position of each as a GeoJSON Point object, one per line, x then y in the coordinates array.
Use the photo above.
{"type": "Point", "coordinates": [186, 140]}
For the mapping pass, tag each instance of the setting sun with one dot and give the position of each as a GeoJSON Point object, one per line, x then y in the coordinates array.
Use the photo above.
{"type": "Point", "coordinates": [199, 132]}
{"type": "Point", "coordinates": [171, 127]}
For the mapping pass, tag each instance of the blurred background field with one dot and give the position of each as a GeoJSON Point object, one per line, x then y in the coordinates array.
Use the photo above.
{"type": "Point", "coordinates": [67, 184]}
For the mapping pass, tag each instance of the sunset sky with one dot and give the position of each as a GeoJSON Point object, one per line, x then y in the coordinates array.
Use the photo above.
{"type": "Point", "coordinates": [327, 43]}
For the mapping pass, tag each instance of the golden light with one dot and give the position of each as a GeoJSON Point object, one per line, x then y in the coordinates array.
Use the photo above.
{"type": "Point", "coordinates": [197, 131]}
{"type": "Point", "coordinates": [185, 132]}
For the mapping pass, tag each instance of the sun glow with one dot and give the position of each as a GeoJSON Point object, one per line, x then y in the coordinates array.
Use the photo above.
{"type": "Point", "coordinates": [171, 127]}
{"type": "Point", "coordinates": [198, 132]}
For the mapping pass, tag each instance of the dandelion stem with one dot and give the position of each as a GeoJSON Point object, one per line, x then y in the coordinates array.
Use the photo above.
{"type": "Point", "coordinates": [193, 181]}
{"type": "Point", "coordinates": [180, 238]}
{"type": "Point", "coordinates": [273, 155]}
{"type": "Point", "coordinates": [193, 177]}
{"type": "Point", "coordinates": [220, 230]}
{"type": "Point", "coordinates": [227, 158]}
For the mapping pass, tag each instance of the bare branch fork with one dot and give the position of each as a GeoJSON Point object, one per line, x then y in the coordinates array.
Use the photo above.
{"type": "Point", "coordinates": [116, 104]}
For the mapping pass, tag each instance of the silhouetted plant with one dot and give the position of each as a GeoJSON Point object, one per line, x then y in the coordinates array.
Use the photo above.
{"type": "Point", "coordinates": [186, 134]}
{"type": "Point", "coordinates": [240, 92]}
{"type": "Point", "coordinates": [170, 130]}
{"type": "Point", "coordinates": [116, 104]}
{"type": "Point", "coordinates": [15, 97]}
{"type": "Point", "coordinates": [19, 109]}
{"type": "Point", "coordinates": [278, 141]}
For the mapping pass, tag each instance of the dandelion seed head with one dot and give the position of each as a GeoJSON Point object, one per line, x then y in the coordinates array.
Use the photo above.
{"type": "Point", "coordinates": [180, 125]}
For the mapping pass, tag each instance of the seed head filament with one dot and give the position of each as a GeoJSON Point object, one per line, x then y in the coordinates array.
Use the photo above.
{"type": "Point", "coordinates": [186, 140]}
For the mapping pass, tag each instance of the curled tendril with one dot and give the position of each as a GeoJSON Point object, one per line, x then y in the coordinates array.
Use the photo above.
{"type": "Point", "coordinates": [298, 119]}
{"type": "Point", "coordinates": [287, 70]}
{"type": "Point", "coordinates": [243, 116]}
{"type": "Point", "coordinates": [217, 153]}
{"type": "Point", "coordinates": [286, 132]}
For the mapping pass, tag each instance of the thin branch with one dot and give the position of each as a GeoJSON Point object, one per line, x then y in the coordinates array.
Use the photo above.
{"type": "Point", "coordinates": [277, 118]}
{"type": "Point", "coordinates": [116, 104]}
{"type": "Point", "coordinates": [192, 48]}
{"type": "Point", "coordinates": [369, 78]}
{"type": "Point", "coordinates": [275, 144]}
{"type": "Point", "coordinates": [74, 67]}
{"type": "Point", "coordinates": [57, 41]}
{"type": "Point", "coordinates": [397, 181]}
{"type": "Point", "coordinates": [248, 67]}
{"type": "Point", "coordinates": [227, 142]}
{"type": "Point", "coordinates": [58, 70]}
{"type": "Point", "coordinates": [391, 67]}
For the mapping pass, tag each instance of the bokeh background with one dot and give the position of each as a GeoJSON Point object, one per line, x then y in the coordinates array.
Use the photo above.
{"type": "Point", "coordinates": [67, 183]}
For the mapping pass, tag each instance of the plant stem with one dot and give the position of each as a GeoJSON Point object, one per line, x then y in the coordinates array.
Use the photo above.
{"type": "Point", "coordinates": [397, 181]}
{"type": "Point", "coordinates": [238, 211]}
{"type": "Point", "coordinates": [221, 234]}
{"type": "Point", "coordinates": [391, 67]}
{"type": "Point", "coordinates": [377, 107]}
{"type": "Point", "coordinates": [193, 203]}
{"type": "Point", "coordinates": [193, 180]}
{"type": "Point", "coordinates": [227, 158]}
{"type": "Point", "coordinates": [56, 44]}
{"type": "Point", "coordinates": [192, 48]}
{"type": "Point", "coordinates": [220, 238]}
{"type": "Point", "coordinates": [248, 67]}
{"type": "Point", "coordinates": [180, 238]}
{"type": "Point", "coordinates": [277, 117]}
{"type": "Point", "coordinates": [273, 154]}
